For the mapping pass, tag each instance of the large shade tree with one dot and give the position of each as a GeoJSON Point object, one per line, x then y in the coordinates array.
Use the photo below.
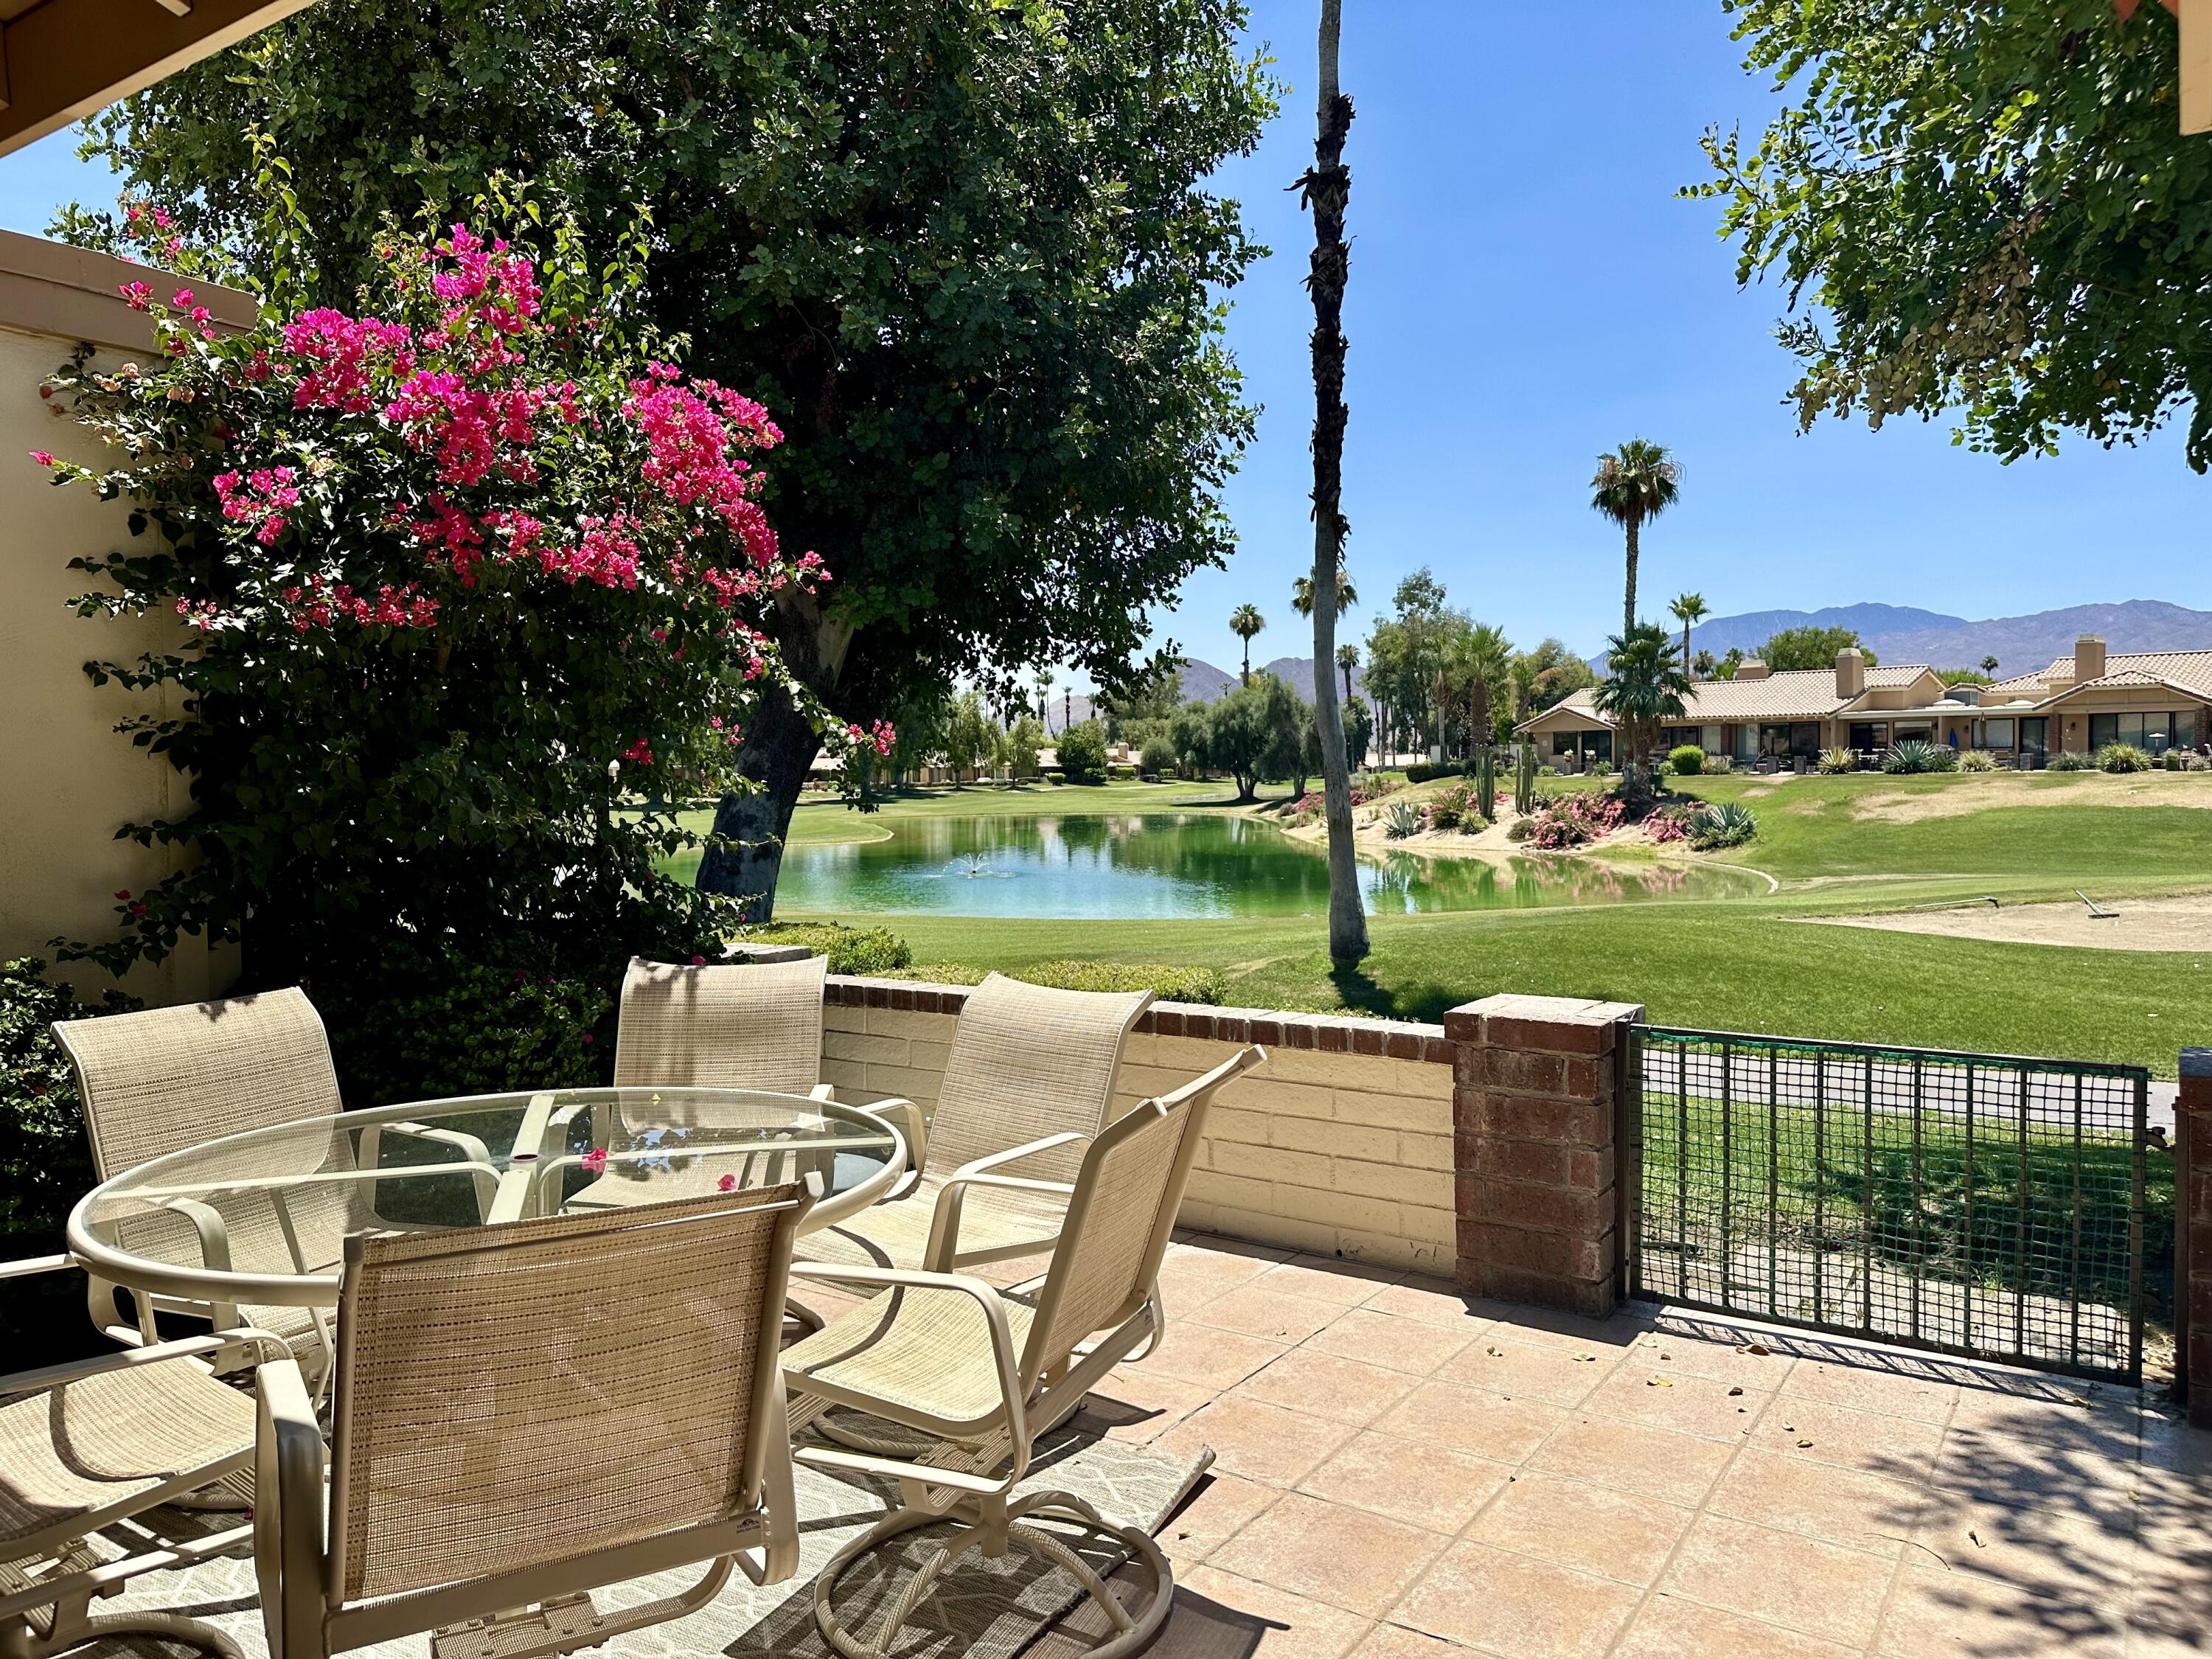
{"type": "Point", "coordinates": [1980, 209]}
{"type": "Point", "coordinates": [964, 251]}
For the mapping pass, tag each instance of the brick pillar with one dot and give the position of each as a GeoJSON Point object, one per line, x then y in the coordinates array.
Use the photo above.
{"type": "Point", "coordinates": [2192, 1256]}
{"type": "Point", "coordinates": [1535, 1117]}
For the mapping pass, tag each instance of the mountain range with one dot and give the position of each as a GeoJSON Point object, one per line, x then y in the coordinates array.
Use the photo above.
{"type": "Point", "coordinates": [1895, 633]}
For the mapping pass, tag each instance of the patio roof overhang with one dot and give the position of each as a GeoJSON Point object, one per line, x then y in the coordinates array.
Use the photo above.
{"type": "Point", "coordinates": [60, 60]}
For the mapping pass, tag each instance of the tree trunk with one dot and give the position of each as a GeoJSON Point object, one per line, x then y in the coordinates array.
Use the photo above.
{"type": "Point", "coordinates": [1628, 615]}
{"type": "Point", "coordinates": [1245, 676]}
{"type": "Point", "coordinates": [1686, 647]}
{"type": "Point", "coordinates": [1328, 188]}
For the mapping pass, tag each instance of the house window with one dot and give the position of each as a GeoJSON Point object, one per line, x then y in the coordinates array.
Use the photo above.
{"type": "Point", "coordinates": [2153, 731]}
{"type": "Point", "coordinates": [1993, 734]}
{"type": "Point", "coordinates": [2185, 729]}
{"type": "Point", "coordinates": [1869, 734]}
{"type": "Point", "coordinates": [1709, 739]}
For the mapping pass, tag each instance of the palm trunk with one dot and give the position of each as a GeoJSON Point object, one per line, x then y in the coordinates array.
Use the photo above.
{"type": "Point", "coordinates": [1245, 678]}
{"type": "Point", "coordinates": [1628, 615]}
{"type": "Point", "coordinates": [1326, 188]}
{"type": "Point", "coordinates": [1686, 647]}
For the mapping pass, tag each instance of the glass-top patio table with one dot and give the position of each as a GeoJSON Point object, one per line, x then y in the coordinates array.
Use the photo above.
{"type": "Point", "coordinates": [261, 1217]}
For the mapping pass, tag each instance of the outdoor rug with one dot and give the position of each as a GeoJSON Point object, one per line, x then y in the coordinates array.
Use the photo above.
{"type": "Point", "coordinates": [991, 1610]}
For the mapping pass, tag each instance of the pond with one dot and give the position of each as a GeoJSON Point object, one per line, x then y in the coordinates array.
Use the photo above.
{"type": "Point", "coordinates": [1162, 865]}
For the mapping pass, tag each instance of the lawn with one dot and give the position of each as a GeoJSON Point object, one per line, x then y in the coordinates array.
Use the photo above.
{"type": "Point", "coordinates": [1740, 964]}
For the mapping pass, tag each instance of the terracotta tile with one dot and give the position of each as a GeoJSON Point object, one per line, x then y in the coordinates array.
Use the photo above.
{"type": "Point", "coordinates": [1872, 1388]}
{"type": "Point", "coordinates": [1322, 1278]}
{"type": "Point", "coordinates": [1212, 1516]}
{"type": "Point", "coordinates": [1819, 1588]}
{"type": "Point", "coordinates": [2098, 1420]}
{"type": "Point", "coordinates": [1843, 1505]}
{"type": "Point", "coordinates": [1721, 1361]}
{"type": "Point", "coordinates": [1636, 1392]}
{"type": "Point", "coordinates": [1269, 1315]}
{"type": "Point", "coordinates": [1618, 1333]}
{"type": "Point", "coordinates": [1632, 1457]}
{"type": "Point", "coordinates": [1506, 1362]}
{"type": "Point", "coordinates": [1209, 1357]}
{"type": "Point", "coordinates": [2047, 1551]}
{"type": "Point", "coordinates": [1431, 1301]}
{"type": "Point", "coordinates": [1347, 1557]}
{"type": "Point", "coordinates": [1392, 1340]}
{"type": "Point", "coordinates": [1217, 1614]}
{"type": "Point", "coordinates": [1136, 1406]}
{"type": "Point", "coordinates": [2171, 1446]}
{"type": "Point", "coordinates": [1897, 1448]}
{"type": "Point", "coordinates": [1669, 1628]}
{"type": "Point", "coordinates": [1468, 1421]}
{"type": "Point", "coordinates": [2003, 1468]}
{"type": "Point", "coordinates": [1588, 1527]}
{"type": "Point", "coordinates": [1511, 1606]}
{"type": "Point", "coordinates": [1945, 1615]}
{"type": "Point", "coordinates": [1192, 1275]}
{"type": "Point", "coordinates": [1396, 1642]}
{"type": "Point", "coordinates": [1260, 1442]}
{"type": "Point", "coordinates": [1326, 1385]}
{"type": "Point", "coordinates": [1426, 1485]}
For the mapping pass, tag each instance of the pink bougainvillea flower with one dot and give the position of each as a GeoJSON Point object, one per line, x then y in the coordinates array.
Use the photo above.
{"type": "Point", "coordinates": [728, 1183]}
{"type": "Point", "coordinates": [44, 458]}
{"type": "Point", "coordinates": [137, 296]}
{"type": "Point", "coordinates": [595, 1160]}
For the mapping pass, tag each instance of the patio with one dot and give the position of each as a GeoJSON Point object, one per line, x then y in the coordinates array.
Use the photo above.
{"type": "Point", "coordinates": [1404, 1472]}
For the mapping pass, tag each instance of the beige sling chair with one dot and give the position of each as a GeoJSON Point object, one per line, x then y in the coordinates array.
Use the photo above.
{"type": "Point", "coordinates": [169, 1078]}
{"type": "Point", "coordinates": [984, 1374]}
{"type": "Point", "coordinates": [729, 1025]}
{"type": "Point", "coordinates": [1029, 1081]}
{"type": "Point", "coordinates": [88, 1446]}
{"type": "Point", "coordinates": [527, 1412]}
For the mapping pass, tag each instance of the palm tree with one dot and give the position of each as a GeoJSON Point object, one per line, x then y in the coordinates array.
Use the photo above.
{"type": "Point", "coordinates": [1644, 689]}
{"type": "Point", "coordinates": [1704, 665]}
{"type": "Point", "coordinates": [1044, 699]}
{"type": "Point", "coordinates": [1302, 593]}
{"type": "Point", "coordinates": [1988, 665]}
{"type": "Point", "coordinates": [1347, 659]}
{"type": "Point", "coordinates": [1481, 657]}
{"type": "Point", "coordinates": [1687, 609]}
{"type": "Point", "coordinates": [1244, 622]}
{"type": "Point", "coordinates": [1635, 483]}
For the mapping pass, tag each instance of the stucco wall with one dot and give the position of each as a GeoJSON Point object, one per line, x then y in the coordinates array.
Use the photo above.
{"type": "Point", "coordinates": [1326, 1148]}
{"type": "Point", "coordinates": [71, 779]}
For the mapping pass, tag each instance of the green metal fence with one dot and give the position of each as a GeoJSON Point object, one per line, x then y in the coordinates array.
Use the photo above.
{"type": "Point", "coordinates": [1976, 1204]}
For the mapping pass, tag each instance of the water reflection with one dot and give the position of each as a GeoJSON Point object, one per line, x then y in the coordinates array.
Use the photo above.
{"type": "Point", "coordinates": [1144, 865]}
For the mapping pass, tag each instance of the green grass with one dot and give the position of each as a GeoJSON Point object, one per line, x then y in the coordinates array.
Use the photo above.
{"type": "Point", "coordinates": [1737, 964]}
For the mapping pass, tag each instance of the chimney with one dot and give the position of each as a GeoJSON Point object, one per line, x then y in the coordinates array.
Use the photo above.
{"type": "Point", "coordinates": [1851, 672]}
{"type": "Point", "coordinates": [2088, 657]}
{"type": "Point", "coordinates": [1750, 669]}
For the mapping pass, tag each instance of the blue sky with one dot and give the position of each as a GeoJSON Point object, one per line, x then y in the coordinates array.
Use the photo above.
{"type": "Point", "coordinates": [1528, 291]}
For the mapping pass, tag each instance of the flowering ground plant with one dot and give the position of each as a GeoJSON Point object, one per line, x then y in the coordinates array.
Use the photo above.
{"type": "Point", "coordinates": [1576, 818]}
{"type": "Point", "coordinates": [472, 578]}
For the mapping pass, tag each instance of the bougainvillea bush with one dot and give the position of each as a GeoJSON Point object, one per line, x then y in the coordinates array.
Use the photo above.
{"type": "Point", "coordinates": [470, 577]}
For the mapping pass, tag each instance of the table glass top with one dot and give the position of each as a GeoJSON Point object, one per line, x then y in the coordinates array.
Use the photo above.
{"type": "Point", "coordinates": [280, 1199]}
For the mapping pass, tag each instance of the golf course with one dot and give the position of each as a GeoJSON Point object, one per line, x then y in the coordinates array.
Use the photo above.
{"type": "Point", "coordinates": [1743, 949]}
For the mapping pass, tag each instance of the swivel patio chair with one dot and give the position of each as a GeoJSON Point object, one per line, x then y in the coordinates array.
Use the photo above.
{"type": "Point", "coordinates": [169, 1079]}
{"type": "Point", "coordinates": [1029, 1082]}
{"type": "Point", "coordinates": [981, 1375]}
{"type": "Point", "coordinates": [526, 1413]}
{"type": "Point", "coordinates": [90, 1444]}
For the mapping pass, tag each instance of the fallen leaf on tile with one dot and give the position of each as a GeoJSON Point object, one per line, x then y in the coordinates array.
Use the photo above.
{"type": "Point", "coordinates": [1658, 1382]}
{"type": "Point", "coordinates": [1733, 1393]}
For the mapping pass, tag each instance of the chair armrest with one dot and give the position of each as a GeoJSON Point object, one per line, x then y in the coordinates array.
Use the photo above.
{"type": "Point", "coordinates": [77, 1371]}
{"type": "Point", "coordinates": [987, 1297]}
{"type": "Point", "coordinates": [944, 1247]}
{"type": "Point", "coordinates": [996, 1161]}
{"type": "Point", "coordinates": [823, 1091]}
{"type": "Point", "coordinates": [29, 1265]}
{"type": "Point", "coordinates": [471, 1149]}
{"type": "Point", "coordinates": [917, 1128]}
{"type": "Point", "coordinates": [288, 1521]}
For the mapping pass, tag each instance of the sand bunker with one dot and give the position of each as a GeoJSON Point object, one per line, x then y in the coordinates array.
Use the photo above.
{"type": "Point", "coordinates": [2145, 924]}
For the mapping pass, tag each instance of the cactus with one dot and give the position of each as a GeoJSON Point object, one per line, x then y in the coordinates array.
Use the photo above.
{"type": "Point", "coordinates": [1486, 781]}
{"type": "Point", "coordinates": [1524, 779]}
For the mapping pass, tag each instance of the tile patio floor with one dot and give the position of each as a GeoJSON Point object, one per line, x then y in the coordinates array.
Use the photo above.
{"type": "Point", "coordinates": [1404, 1472]}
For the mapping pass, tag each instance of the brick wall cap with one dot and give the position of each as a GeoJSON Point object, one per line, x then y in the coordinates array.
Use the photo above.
{"type": "Point", "coordinates": [2197, 1062]}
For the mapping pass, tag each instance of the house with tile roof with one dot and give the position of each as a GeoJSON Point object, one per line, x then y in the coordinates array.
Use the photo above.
{"type": "Point", "coordinates": [2156, 701]}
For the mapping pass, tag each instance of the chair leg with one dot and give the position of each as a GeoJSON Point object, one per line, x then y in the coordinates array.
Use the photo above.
{"type": "Point", "coordinates": [974, 1530]}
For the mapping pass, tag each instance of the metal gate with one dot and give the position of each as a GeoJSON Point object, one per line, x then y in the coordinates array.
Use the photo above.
{"type": "Point", "coordinates": [1976, 1204]}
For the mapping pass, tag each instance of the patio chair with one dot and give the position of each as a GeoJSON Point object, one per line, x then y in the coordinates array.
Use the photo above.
{"type": "Point", "coordinates": [90, 1444]}
{"type": "Point", "coordinates": [169, 1079]}
{"type": "Point", "coordinates": [981, 1375]}
{"type": "Point", "coordinates": [1029, 1081]}
{"type": "Point", "coordinates": [729, 1025]}
{"type": "Point", "coordinates": [526, 1413]}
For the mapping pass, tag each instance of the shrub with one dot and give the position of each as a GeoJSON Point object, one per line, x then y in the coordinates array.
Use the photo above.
{"type": "Point", "coordinates": [2186, 760]}
{"type": "Point", "coordinates": [2069, 760]}
{"type": "Point", "coordinates": [1599, 769]}
{"type": "Point", "coordinates": [1718, 766]}
{"type": "Point", "coordinates": [1727, 823]}
{"type": "Point", "coordinates": [1083, 752]}
{"type": "Point", "coordinates": [1914, 755]}
{"type": "Point", "coordinates": [1402, 818]}
{"type": "Point", "coordinates": [1687, 760]}
{"type": "Point", "coordinates": [1424, 773]}
{"type": "Point", "coordinates": [850, 950]}
{"type": "Point", "coordinates": [1977, 760]}
{"type": "Point", "coordinates": [1668, 824]}
{"type": "Point", "coordinates": [1521, 829]}
{"type": "Point", "coordinates": [2121, 757]}
{"type": "Point", "coordinates": [1157, 756]}
{"type": "Point", "coordinates": [454, 577]}
{"type": "Point", "coordinates": [1548, 771]}
{"type": "Point", "coordinates": [1122, 773]}
{"type": "Point", "coordinates": [1456, 809]}
{"type": "Point", "coordinates": [1165, 981]}
{"type": "Point", "coordinates": [1833, 761]}
{"type": "Point", "coordinates": [46, 1164]}
{"type": "Point", "coordinates": [1571, 820]}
